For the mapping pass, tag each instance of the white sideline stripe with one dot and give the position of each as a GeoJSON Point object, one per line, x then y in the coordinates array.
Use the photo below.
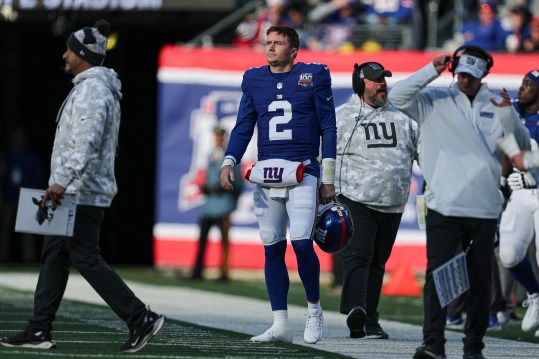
{"type": "Point", "coordinates": [189, 233]}
{"type": "Point", "coordinates": [338, 79]}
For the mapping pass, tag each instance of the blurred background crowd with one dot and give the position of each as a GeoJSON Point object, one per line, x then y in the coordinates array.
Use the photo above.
{"type": "Point", "coordinates": [500, 26]}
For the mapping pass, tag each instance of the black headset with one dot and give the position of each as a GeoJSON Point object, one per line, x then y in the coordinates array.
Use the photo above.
{"type": "Point", "coordinates": [89, 37]}
{"type": "Point", "coordinates": [455, 59]}
{"type": "Point", "coordinates": [358, 84]}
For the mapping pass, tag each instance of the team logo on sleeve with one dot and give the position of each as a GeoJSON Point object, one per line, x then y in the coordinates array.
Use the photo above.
{"type": "Point", "coordinates": [305, 79]}
{"type": "Point", "coordinates": [486, 114]}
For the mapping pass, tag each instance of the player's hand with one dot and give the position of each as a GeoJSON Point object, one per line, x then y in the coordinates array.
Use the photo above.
{"type": "Point", "coordinates": [441, 62]}
{"type": "Point", "coordinates": [326, 193]}
{"type": "Point", "coordinates": [506, 100]}
{"type": "Point", "coordinates": [55, 194]}
{"type": "Point", "coordinates": [515, 181]}
{"type": "Point", "coordinates": [227, 177]}
{"type": "Point", "coordinates": [520, 180]}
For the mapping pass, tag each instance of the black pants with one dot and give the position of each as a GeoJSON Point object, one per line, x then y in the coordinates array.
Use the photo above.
{"type": "Point", "coordinates": [83, 252]}
{"type": "Point", "coordinates": [365, 258]}
{"type": "Point", "coordinates": [205, 225]}
{"type": "Point", "coordinates": [444, 235]}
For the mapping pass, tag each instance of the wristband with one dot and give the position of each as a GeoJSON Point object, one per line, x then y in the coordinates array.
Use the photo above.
{"type": "Point", "coordinates": [228, 161]}
{"type": "Point", "coordinates": [328, 170]}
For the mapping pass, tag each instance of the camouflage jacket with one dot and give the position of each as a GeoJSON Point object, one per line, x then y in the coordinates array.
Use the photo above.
{"type": "Point", "coordinates": [87, 136]}
{"type": "Point", "coordinates": [375, 152]}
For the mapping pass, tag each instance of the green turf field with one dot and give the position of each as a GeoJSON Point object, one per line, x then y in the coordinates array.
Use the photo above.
{"type": "Point", "coordinates": [91, 331]}
{"type": "Point", "coordinates": [88, 331]}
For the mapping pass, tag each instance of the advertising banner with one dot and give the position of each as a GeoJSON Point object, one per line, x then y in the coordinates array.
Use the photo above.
{"type": "Point", "coordinates": [199, 88]}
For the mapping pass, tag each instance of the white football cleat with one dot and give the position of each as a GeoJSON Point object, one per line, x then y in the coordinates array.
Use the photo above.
{"type": "Point", "coordinates": [531, 318]}
{"type": "Point", "coordinates": [273, 334]}
{"type": "Point", "coordinates": [313, 327]}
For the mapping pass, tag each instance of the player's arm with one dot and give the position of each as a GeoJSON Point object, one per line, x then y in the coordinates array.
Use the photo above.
{"type": "Point", "coordinates": [239, 140]}
{"type": "Point", "coordinates": [325, 112]}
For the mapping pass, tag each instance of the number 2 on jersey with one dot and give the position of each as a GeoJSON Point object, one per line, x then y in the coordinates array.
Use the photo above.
{"type": "Point", "coordinates": [274, 134]}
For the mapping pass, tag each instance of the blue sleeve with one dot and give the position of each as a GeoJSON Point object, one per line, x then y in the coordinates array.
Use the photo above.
{"type": "Point", "coordinates": [245, 124]}
{"type": "Point", "coordinates": [325, 111]}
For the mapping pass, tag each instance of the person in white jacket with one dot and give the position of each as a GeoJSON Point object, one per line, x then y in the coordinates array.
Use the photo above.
{"type": "Point", "coordinates": [82, 162]}
{"type": "Point", "coordinates": [461, 162]}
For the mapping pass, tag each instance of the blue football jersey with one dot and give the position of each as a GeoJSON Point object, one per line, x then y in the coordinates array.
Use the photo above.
{"type": "Point", "coordinates": [292, 111]}
{"type": "Point", "coordinates": [531, 121]}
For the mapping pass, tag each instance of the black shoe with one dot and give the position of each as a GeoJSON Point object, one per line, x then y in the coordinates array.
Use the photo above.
{"type": "Point", "coordinates": [424, 352]}
{"type": "Point", "coordinates": [376, 332]}
{"type": "Point", "coordinates": [139, 337]}
{"type": "Point", "coordinates": [30, 339]}
{"type": "Point", "coordinates": [356, 322]}
{"type": "Point", "coordinates": [473, 351]}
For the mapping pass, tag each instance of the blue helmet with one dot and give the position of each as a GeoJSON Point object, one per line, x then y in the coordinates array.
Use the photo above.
{"type": "Point", "coordinates": [334, 228]}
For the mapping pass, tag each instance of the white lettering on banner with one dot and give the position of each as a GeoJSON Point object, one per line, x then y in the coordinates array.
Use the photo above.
{"type": "Point", "coordinates": [88, 4]}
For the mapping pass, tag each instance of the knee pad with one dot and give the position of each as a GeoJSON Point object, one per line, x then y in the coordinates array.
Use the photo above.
{"type": "Point", "coordinates": [302, 212]}
{"type": "Point", "coordinates": [509, 256]}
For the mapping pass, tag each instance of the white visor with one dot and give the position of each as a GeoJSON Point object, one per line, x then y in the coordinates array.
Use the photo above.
{"type": "Point", "coordinates": [471, 65]}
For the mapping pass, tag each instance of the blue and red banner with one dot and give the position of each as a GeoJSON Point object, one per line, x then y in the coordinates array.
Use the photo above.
{"type": "Point", "coordinates": [200, 88]}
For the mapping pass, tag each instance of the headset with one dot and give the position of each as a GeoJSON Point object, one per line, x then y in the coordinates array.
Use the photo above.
{"type": "Point", "coordinates": [358, 84]}
{"type": "Point", "coordinates": [455, 58]}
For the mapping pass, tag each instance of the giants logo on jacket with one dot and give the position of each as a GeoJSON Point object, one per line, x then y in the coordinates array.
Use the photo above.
{"type": "Point", "coordinates": [376, 140]}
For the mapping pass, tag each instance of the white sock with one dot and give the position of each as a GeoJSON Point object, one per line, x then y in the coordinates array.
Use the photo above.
{"type": "Point", "coordinates": [280, 318]}
{"type": "Point", "coordinates": [313, 307]}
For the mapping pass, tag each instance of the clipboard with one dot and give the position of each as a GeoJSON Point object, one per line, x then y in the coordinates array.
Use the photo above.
{"type": "Point", "coordinates": [32, 218]}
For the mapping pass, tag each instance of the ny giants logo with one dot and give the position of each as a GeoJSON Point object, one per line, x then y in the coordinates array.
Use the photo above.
{"type": "Point", "coordinates": [388, 136]}
{"type": "Point", "coordinates": [273, 174]}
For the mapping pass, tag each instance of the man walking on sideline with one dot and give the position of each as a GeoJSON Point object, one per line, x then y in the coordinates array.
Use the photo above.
{"type": "Point", "coordinates": [83, 163]}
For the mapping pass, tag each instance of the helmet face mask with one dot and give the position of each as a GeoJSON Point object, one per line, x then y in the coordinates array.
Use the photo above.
{"type": "Point", "coordinates": [334, 228]}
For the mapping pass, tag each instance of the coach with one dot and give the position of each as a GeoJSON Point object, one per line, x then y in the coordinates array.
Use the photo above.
{"type": "Point", "coordinates": [460, 159]}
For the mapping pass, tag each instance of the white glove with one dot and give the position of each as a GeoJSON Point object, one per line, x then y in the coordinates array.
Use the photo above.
{"type": "Point", "coordinates": [520, 180]}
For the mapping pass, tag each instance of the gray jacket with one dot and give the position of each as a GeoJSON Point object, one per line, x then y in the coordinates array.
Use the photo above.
{"type": "Point", "coordinates": [375, 152]}
{"type": "Point", "coordinates": [87, 137]}
{"type": "Point", "coordinates": [459, 154]}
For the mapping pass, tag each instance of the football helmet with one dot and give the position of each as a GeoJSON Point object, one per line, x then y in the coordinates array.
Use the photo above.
{"type": "Point", "coordinates": [334, 227]}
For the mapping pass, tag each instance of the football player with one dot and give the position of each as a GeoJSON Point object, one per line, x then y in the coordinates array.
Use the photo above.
{"type": "Point", "coordinates": [291, 106]}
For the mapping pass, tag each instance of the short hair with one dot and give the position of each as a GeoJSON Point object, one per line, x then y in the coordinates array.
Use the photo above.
{"type": "Point", "coordinates": [288, 32]}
